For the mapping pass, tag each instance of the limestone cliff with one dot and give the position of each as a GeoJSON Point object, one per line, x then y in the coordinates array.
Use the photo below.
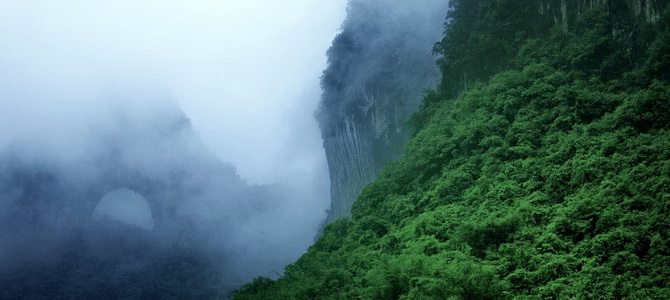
{"type": "Point", "coordinates": [378, 67]}
{"type": "Point", "coordinates": [629, 12]}
{"type": "Point", "coordinates": [629, 17]}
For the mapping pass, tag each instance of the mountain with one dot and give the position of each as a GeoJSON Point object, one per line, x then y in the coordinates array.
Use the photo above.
{"type": "Point", "coordinates": [198, 236]}
{"type": "Point", "coordinates": [537, 168]}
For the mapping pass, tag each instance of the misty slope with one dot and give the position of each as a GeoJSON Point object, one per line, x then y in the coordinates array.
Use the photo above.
{"type": "Point", "coordinates": [209, 224]}
{"type": "Point", "coordinates": [539, 168]}
{"type": "Point", "coordinates": [378, 67]}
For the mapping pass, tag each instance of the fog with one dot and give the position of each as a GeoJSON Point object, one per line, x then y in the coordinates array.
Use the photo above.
{"type": "Point", "coordinates": [202, 108]}
{"type": "Point", "coordinates": [228, 64]}
{"type": "Point", "coordinates": [379, 66]}
{"type": "Point", "coordinates": [126, 206]}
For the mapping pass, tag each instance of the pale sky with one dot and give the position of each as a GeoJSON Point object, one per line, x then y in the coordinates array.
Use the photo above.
{"type": "Point", "coordinates": [245, 72]}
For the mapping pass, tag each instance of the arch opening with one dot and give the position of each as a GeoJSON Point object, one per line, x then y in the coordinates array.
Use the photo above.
{"type": "Point", "coordinates": [127, 206]}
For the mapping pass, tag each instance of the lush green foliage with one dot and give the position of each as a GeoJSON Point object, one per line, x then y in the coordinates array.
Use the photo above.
{"type": "Point", "coordinates": [550, 180]}
{"type": "Point", "coordinates": [482, 36]}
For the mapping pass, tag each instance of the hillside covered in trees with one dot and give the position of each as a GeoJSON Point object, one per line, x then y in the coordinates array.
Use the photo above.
{"type": "Point", "coordinates": [539, 167]}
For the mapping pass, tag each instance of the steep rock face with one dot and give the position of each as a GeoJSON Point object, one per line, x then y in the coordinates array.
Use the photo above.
{"type": "Point", "coordinates": [468, 58]}
{"type": "Point", "coordinates": [632, 11]}
{"type": "Point", "coordinates": [378, 67]}
{"type": "Point", "coordinates": [629, 17]}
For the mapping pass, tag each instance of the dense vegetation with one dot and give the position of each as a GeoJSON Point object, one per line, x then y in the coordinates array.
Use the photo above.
{"type": "Point", "coordinates": [545, 176]}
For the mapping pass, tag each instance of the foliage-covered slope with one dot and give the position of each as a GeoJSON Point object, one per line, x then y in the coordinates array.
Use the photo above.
{"type": "Point", "coordinates": [549, 180]}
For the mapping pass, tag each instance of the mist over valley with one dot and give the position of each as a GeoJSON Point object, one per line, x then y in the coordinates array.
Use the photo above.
{"type": "Point", "coordinates": [149, 150]}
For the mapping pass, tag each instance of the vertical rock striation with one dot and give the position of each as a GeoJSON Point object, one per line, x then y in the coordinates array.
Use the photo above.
{"type": "Point", "coordinates": [631, 11]}
{"type": "Point", "coordinates": [378, 67]}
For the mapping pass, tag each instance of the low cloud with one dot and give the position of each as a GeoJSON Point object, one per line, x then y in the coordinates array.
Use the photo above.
{"type": "Point", "coordinates": [161, 98]}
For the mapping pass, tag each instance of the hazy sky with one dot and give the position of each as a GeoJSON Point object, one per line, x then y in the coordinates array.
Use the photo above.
{"type": "Point", "coordinates": [245, 71]}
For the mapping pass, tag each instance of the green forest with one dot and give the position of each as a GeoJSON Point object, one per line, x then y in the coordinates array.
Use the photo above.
{"type": "Point", "coordinates": [539, 168]}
